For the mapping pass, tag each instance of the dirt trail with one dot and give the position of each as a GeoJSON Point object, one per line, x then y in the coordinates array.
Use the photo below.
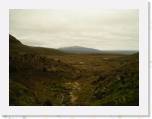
{"type": "Point", "coordinates": [74, 89]}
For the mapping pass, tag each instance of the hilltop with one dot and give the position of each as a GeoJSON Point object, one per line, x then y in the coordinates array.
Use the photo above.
{"type": "Point", "coordinates": [79, 50]}
{"type": "Point", "coordinates": [16, 47]}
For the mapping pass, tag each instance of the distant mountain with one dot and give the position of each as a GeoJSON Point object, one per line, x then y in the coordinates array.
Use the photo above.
{"type": "Point", "coordinates": [121, 52]}
{"type": "Point", "coordinates": [85, 50]}
{"type": "Point", "coordinates": [79, 50]}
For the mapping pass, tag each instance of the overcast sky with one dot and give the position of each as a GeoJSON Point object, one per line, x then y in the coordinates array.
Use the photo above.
{"type": "Point", "coordinates": [100, 29]}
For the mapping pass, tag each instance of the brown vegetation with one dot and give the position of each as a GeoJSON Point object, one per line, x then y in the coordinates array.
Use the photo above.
{"type": "Point", "coordinates": [43, 76]}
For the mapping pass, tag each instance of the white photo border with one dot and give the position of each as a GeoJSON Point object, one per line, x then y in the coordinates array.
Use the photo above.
{"type": "Point", "coordinates": [141, 110]}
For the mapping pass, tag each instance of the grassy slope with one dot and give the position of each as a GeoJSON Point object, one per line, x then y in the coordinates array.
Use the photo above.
{"type": "Point", "coordinates": [121, 87]}
{"type": "Point", "coordinates": [42, 76]}
{"type": "Point", "coordinates": [36, 79]}
{"type": "Point", "coordinates": [16, 47]}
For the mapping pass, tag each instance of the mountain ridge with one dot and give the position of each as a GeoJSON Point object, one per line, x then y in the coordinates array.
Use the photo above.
{"type": "Point", "coordinates": [17, 46]}
{"type": "Point", "coordinates": [79, 50]}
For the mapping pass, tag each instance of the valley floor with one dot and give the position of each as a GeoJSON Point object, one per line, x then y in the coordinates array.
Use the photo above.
{"type": "Point", "coordinates": [92, 79]}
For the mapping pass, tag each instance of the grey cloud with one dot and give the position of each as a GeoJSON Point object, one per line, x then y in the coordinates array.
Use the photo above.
{"type": "Point", "coordinates": [102, 29]}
